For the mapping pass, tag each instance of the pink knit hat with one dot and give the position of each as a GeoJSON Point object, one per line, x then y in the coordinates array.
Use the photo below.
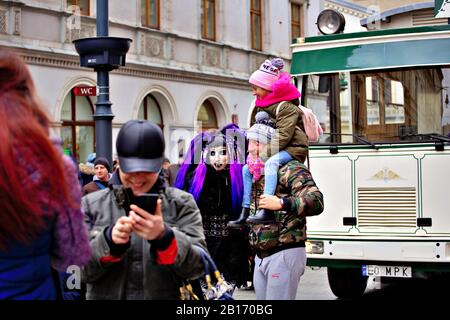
{"type": "Point", "coordinates": [267, 74]}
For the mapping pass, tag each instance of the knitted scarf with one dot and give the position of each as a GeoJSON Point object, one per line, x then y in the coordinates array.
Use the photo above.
{"type": "Point", "coordinates": [255, 166]}
{"type": "Point", "coordinates": [282, 90]}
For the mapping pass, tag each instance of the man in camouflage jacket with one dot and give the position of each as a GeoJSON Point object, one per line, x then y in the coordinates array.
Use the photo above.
{"type": "Point", "coordinates": [280, 247]}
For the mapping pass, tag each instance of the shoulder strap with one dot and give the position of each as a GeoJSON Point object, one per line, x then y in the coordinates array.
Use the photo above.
{"type": "Point", "coordinates": [101, 186]}
{"type": "Point", "coordinates": [279, 106]}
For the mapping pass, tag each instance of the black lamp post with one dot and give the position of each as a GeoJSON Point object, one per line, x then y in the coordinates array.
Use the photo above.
{"type": "Point", "coordinates": [103, 54]}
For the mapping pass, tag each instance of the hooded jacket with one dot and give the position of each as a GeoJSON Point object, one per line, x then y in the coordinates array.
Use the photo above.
{"type": "Point", "coordinates": [290, 135]}
{"type": "Point", "coordinates": [133, 272]}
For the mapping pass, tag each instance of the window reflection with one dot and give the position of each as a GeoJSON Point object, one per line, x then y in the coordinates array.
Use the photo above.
{"type": "Point", "coordinates": [77, 128]}
{"type": "Point", "coordinates": [206, 116]}
{"type": "Point", "coordinates": [150, 110]}
{"type": "Point", "coordinates": [372, 101]}
{"type": "Point", "coordinates": [385, 106]}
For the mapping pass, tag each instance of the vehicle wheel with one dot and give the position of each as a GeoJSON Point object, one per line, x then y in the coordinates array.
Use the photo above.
{"type": "Point", "coordinates": [347, 283]}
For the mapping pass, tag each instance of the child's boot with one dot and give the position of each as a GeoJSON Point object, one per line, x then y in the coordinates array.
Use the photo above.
{"type": "Point", "coordinates": [240, 222]}
{"type": "Point", "coordinates": [263, 216]}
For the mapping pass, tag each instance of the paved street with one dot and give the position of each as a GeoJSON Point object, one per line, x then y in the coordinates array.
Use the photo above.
{"type": "Point", "coordinates": [314, 286]}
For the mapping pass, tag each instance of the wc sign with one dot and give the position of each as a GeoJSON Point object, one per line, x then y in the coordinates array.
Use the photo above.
{"type": "Point", "coordinates": [85, 91]}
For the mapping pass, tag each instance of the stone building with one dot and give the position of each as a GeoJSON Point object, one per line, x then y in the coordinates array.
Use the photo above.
{"type": "Point", "coordinates": [187, 68]}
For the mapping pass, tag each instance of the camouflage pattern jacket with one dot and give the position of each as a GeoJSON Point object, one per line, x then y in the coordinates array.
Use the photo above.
{"type": "Point", "coordinates": [301, 197]}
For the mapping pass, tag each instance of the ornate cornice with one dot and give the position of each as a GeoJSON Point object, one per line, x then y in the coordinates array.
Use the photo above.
{"type": "Point", "coordinates": [343, 9]}
{"type": "Point", "coordinates": [57, 60]}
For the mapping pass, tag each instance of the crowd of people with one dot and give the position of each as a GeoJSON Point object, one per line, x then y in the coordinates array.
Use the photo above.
{"type": "Point", "coordinates": [133, 227]}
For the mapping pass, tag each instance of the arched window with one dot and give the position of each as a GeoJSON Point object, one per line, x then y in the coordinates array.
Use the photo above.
{"type": "Point", "coordinates": [207, 116]}
{"type": "Point", "coordinates": [78, 131]}
{"type": "Point", "coordinates": [151, 111]}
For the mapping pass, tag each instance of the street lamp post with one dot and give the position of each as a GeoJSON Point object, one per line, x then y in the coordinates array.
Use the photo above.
{"type": "Point", "coordinates": [103, 54]}
{"type": "Point", "coordinates": [103, 114]}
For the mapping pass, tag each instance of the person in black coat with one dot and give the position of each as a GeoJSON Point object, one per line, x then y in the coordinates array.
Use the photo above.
{"type": "Point", "coordinates": [217, 187]}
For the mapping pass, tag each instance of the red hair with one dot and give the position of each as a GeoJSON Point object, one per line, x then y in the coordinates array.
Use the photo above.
{"type": "Point", "coordinates": [32, 178]}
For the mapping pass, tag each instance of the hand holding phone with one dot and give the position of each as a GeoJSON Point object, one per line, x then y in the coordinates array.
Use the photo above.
{"type": "Point", "coordinates": [146, 201]}
{"type": "Point", "coordinates": [147, 220]}
{"type": "Point", "coordinates": [121, 231]}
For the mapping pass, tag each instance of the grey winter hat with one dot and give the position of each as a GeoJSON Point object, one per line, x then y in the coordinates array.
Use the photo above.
{"type": "Point", "coordinates": [263, 129]}
{"type": "Point", "coordinates": [140, 147]}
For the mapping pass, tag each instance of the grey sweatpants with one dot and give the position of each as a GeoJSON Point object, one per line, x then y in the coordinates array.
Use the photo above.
{"type": "Point", "coordinates": [277, 276]}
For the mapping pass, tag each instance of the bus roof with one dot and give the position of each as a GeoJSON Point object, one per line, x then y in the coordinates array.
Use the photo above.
{"type": "Point", "coordinates": [381, 49]}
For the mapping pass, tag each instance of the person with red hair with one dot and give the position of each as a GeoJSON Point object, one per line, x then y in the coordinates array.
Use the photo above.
{"type": "Point", "coordinates": [41, 222]}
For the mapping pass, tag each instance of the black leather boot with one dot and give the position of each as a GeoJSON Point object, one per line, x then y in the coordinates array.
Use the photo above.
{"type": "Point", "coordinates": [240, 222]}
{"type": "Point", "coordinates": [263, 216]}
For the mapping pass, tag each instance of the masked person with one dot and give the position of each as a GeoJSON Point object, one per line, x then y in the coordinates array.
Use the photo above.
{"type": "Point", "coordinates": [139, 254]}
{"type": "Point", "coordinates": [216, 185]}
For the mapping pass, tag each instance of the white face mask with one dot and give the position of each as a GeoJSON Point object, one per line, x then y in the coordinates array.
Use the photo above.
{"type": "Point", "coordinates": [218, 158]}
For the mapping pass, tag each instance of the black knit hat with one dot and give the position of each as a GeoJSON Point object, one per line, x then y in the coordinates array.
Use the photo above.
{"type": "Point", "coordinates": [104, 162]}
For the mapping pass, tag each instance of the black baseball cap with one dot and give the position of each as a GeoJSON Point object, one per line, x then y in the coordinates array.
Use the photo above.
{"type": "Point", "coordinates": [140, 147]}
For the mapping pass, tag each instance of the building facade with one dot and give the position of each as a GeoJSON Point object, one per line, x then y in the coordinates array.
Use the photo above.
{"type": "Point", "coordinates": [187, 68]}
{"type": "Point", "coordinates": [353, 13]}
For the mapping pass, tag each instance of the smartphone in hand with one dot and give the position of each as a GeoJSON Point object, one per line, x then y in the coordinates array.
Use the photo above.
{"type": "Point", "coordinates": [146, 201]}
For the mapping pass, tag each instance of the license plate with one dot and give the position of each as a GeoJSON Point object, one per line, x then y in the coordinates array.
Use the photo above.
{"type": "Point", "coordinates": [387, 271]}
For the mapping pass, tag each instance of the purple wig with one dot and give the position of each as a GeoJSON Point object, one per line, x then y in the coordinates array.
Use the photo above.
{"type": "Point", "coordinates": [234, 142]}
{"type": "Point", "coordinates": [237, 149]}
{"type": "Point", "coordinates": [193, 157]}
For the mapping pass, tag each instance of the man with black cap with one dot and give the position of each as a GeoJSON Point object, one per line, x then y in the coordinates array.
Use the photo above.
{"type": "Point", "coordinates": [101, 178]}
{"type": "Point", "coordinates": [138, 254]}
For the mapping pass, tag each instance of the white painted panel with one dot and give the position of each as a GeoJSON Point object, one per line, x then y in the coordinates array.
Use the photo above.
{"type": "Point", "coordinates": [419, 252]}
{"type": "Point", "coordinates": [436, 191]}
{"type": "Point", "coordinates": [385, 251]}
{"type": "Point", "coordinates": [348, 250]}
{"type": "Point", "coordinates": [337, 194]}
{"type": "Point", "coordinates": [386, 171]}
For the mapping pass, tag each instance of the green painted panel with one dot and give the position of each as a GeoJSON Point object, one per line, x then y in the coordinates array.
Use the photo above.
{"type": "Point", "coordinates": [372, 56]}
{"type": "Point", "coordinates": [442, 8]}
{"type": "Point", "coordinates": [437, 6]}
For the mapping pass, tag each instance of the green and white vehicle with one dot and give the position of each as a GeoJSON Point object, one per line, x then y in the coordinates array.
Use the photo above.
{"type": "Point", "coordinates": [383, 163]}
